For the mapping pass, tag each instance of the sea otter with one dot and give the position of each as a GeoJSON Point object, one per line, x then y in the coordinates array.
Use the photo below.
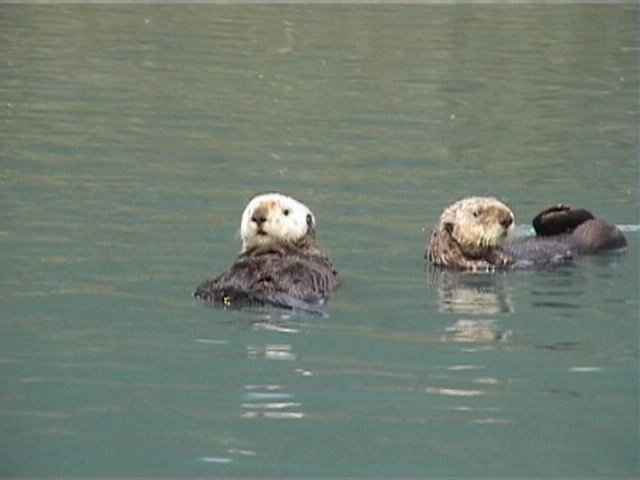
{"type": "Point", "coordinates": [280, 264]}
{"type": "Point", "coordinates": [475, 234]}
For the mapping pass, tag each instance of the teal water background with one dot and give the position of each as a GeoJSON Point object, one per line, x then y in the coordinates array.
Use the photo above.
{"type": "Point", "coordinates": [133, 136]}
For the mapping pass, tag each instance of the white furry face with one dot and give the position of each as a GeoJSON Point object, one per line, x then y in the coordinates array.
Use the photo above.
{"type": "Point", "coordinates": [275, 218]}
{"type": "Point", "coordinates": [479, 222]}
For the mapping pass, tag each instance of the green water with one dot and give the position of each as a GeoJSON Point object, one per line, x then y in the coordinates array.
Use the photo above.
{"type": "Point", "coordinates": [131, 139]}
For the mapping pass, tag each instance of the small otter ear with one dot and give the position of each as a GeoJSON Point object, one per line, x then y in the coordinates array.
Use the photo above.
{"type": "Point", "coordinates": [448, 227]}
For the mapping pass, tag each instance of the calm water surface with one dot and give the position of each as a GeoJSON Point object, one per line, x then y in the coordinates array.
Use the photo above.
{"type": "Point", "coordinates": [132, 138]}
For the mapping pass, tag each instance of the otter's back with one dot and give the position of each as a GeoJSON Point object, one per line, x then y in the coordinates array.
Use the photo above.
{"type": "Point", "coordinates": [276, 275]}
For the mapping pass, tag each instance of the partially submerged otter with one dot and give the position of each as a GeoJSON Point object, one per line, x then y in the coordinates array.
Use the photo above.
{"type": "Point", "coordinates": [280, 264]}
{"type": "Point", "coordinates": [474, 234]}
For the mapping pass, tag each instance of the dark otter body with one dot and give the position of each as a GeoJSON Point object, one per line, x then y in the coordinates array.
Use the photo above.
{"type": "Point", "coordinates": [561, 234]}
{"type": "Point", "coordinates": [531, 252]}
{"type": "Point", "coordinates": [279, 275]}
{"type": "Point", "coordinates": [580, 229]}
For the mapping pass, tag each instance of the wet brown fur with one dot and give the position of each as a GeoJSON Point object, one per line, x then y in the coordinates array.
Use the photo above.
{"type": "Point", "coordinates": [279, 275]}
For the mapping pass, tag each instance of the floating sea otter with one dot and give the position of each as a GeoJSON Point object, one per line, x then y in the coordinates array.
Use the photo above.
{"type": "Point", "coordinates": [473, 234]}
{"type": "Point", "coordinates": [280, 264]}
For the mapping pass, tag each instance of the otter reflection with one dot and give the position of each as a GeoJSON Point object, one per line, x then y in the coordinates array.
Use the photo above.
{"type": "Point", "coordinates": [469, 292]}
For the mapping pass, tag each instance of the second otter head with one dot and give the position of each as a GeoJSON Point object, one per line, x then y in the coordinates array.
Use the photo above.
{"type": "Point", "coordinates": [273, 218]}
{"type": "Point", "coordinates": [478, 223]}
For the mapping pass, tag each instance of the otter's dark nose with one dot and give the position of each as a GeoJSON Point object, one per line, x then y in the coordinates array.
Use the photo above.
{"type": "Point", "coordinates": [506, 221]}
{"type": "Point", "coordinates": [258, 218]}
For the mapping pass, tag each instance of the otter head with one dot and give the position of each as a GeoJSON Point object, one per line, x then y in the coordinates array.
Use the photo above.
{"type": "Point", "coordinates": [273, 218]}
{"type": "Point", "coordinates": [473, 226]}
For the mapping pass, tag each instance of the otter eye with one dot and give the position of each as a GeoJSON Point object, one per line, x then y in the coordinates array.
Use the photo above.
{"type": "Point", "coordinates": [309, 219]}
{"type": "Point", "coordinates": [286, 212]}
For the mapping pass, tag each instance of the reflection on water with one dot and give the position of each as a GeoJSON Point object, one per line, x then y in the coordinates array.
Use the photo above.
{"type": "Point", "coordinates": [470, 292]}
{"type": "Point", "coordinates": [465, 330]}
{"type": "Point", "coordinates": [270, 401]}
{"type": "Point", "coordinates": [272, 352]}
{"type": "Point", "coordinates": [490, 293]}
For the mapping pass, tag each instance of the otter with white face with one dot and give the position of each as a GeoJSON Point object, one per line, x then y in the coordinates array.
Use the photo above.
{"type": "Point", "coordinates": [468, 232]}
{"type": "Point", "coordinates": [280, 264]}
{"type": "Point", "coordinates": [273, 218]}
